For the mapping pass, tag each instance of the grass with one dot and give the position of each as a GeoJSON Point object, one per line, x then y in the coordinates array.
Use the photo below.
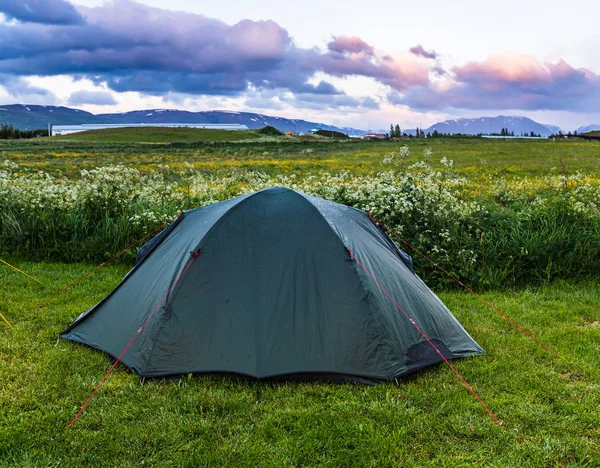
{"type": "Point", "coordinates": [549, 407]}
{"type": "Point", "coordinates": [159, 135]}
{"type": "Point", "coordinates": [532, 228]}
{"type": "Point", "coordinates": [475, 158]}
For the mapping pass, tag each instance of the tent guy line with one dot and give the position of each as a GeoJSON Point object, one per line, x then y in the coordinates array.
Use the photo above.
{"type": "Point", "coordinates": [368, 272]}
{"type": "Point", "coordinates": [8, 325]}
{"type": "Point", "coordinates": [489, 304]}
{"type": "Point", "coordinates": [139, 331]}
{"type": "Point", "coordinates": [414, 324]}
{"type": "Point", "coordinates": [275, 295]}
{"type": "Point", "coordinates": [21, 271]}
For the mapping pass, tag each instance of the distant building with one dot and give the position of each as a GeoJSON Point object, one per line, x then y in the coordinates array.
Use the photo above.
{"type": "Point", "coordinates": [593, 135]}
{"type": "Point", "coordinates": [375, 136]}
{"type": "Point", "coordinates": [512, 137]}
{"type": "Point", "coordinates": [58, 130]}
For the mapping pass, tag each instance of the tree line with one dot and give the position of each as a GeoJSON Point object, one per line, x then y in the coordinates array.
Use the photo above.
{"type": "Point", "coordinates": [8, 132]}
{"type": "Point", "coordinates": [395, 132]}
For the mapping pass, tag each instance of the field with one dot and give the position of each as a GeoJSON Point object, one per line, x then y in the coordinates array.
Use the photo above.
{"type": "Point", "coordinates": [473, 157]}
{"type": "Point", "coordinates": [506, 213]}
{"type": "Point", "coordinates": [159, 135]}
{"type": "Point", "coordinates": [518, 220]}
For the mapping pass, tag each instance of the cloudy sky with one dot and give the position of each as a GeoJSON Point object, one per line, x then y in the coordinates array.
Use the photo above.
{"type": "Point", "coordinates": [344, 62]}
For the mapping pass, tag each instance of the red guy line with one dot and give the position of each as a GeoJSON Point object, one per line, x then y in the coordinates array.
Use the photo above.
{"type": "Point", "coordinates": [465, 383]}
{"type": "Point", "coordinates": [85, 275]}
{"type": "Point", "coordinates": [489, 304]}
{"type": "Point", "coordinates": [195, 255]}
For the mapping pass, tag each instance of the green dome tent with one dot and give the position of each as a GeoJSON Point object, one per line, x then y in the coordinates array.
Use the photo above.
{"type": "Point", "coordinates": [274, 284]}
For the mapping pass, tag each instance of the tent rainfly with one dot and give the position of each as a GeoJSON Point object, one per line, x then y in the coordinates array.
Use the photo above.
{"type": "Point", "coordinates": [274, 284]}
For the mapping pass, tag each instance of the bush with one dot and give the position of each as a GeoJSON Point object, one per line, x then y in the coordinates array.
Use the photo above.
{"type": "Point", "coordinates": [520, 232]}
{"type": "Point", "coordinates": [332, 134]}
{"type": "Point", "coordinates": [270, 131]}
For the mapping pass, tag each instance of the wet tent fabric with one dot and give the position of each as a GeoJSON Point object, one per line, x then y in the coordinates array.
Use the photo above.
{"type": "Point", "coordinates": [273, 293]}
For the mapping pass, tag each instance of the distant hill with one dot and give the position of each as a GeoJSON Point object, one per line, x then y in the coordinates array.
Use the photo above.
{"type": "Point", "coordinates": [588, 128]}
{"type": "Point", "coordinates": [223, 117]}
{"type": "Point", "coordinates": [487, 125]}
{"type": "Point", "coordinates": [33, 117]}
{"type": "Point", "coordinates": [161, 135]}
{"type": "Point", "coordinates": [26, 116]}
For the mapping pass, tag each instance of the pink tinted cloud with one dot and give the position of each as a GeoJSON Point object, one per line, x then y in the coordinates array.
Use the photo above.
{"type": "Point", "coordinates": [511, 81]}
{"type": "Point", "coordinates": [419, 51]}
{"type": "Point", "coordinates": [399, 72]}
{"type": "Point", "coordinates": [351, 44]}
{"type": "Point", "coordinates": [508, 68]}
{"type": "Point", "coordinates": [353, 56]}
{"type": "Point", "coordinates": [131, 46]}
{"type": "Point", "coordinates": [260, 40]}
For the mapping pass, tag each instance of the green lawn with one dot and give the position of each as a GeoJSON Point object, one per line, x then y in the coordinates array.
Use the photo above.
{"type": "Point", "coordinates": [549, 407]}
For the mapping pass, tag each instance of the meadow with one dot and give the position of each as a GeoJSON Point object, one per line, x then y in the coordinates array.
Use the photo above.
{"type": "Point", "coordinates": [160, 135]}
{"type": "Point", "coordinates": [500, 221]}
{"type": "Point", "coordinates": [518, 220]}
{"type": "Point", "coordinates": [472, 156]}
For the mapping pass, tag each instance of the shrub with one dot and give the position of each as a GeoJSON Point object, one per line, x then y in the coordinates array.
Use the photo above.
{"type": "Point", "coordinates": [270, 131]}
{"type": "Point", "coordinates": [519, 232]}
{"type": "Point", "coordinates": [332, 134]}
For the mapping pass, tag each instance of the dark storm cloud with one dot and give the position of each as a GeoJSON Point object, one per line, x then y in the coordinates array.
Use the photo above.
{"type": "Point", "coordinates": [133, 47]}
{"type": "Point", "coordinates": [41, 11]}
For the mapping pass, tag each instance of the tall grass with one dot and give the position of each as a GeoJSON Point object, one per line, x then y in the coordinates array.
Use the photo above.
{"type": "Point", "coordinates": [508, 233]}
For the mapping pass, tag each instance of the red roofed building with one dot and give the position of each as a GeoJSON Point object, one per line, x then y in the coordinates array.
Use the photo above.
{"type": "Point", "coordinates": [376, 136]}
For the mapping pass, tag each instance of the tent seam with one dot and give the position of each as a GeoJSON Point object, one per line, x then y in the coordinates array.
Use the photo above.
{"type": "Point", "coordinates": [362, 283]}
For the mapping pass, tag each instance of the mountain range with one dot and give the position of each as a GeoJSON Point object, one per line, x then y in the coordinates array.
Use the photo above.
{"type": "Point", "coordinates": [488, 125]}
{"type": "Point", "coordinates": [34, 116]}
{"type": "Point", "coordinates": [588, 128]}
